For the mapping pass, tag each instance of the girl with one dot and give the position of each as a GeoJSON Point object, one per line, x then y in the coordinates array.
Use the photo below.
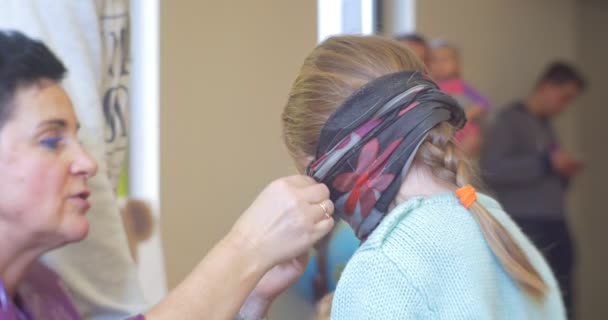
{"type": "Point", "coordinates": [363, 118]}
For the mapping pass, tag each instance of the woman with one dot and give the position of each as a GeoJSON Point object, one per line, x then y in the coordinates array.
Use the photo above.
{"type": "Point", "coordinates": [43, 177]}
{"type": "Point", "coordinates": [90, 36]}
{"type": "Point", "coordinates": [363, 118]}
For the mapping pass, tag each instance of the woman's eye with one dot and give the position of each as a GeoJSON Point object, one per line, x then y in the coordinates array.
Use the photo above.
{"type": "Point", "coordinates": [52, 143]}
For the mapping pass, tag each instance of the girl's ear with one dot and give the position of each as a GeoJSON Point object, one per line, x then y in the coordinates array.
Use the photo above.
{"type": "Point", "coordinates": [302, 162]}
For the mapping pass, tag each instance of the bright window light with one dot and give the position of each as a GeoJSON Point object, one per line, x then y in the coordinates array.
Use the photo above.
{"type": "Point", "coordinates": [144, 154]}
{"type": "Point", "coordinates": [345, 17]}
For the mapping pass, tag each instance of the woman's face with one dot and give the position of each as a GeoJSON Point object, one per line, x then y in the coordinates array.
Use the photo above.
{"type": "Point", "coordinates": [43, 168]}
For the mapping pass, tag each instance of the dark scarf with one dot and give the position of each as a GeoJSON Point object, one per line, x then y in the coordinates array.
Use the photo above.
{"type": "Point", "coordinates": [367, 146]}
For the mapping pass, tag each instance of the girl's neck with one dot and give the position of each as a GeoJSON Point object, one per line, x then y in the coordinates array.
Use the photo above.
{"type": "Point", "coordinates": [420, 182]}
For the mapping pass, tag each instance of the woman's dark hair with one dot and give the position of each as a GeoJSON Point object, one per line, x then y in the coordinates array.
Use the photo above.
{"type": "Point", "coordinates": [23, 62]}
{"type": "Point", "coordinates": [560, 72]}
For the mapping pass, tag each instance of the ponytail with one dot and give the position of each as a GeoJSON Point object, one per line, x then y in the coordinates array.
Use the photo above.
{"type": "Point", "coordinates": [447, 162]}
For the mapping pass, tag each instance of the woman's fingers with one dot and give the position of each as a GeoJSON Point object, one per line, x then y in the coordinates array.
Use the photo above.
{"type": "Point", "coordinates": [300, 180]}
{"type": "Point", "coordinates": [321, 210]}
{"type": "Point", "coordinates": [321, 229]}
{"type": "Point", "coordinates": [315, 193]}
{"type": "Point", "coordinates": [287, 218]}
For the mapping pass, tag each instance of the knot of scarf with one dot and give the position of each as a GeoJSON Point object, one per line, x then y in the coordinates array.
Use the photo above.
{"type": "Point", "coordinates": [367, 145]}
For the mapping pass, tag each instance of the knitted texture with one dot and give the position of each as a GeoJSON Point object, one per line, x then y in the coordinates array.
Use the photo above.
{"type": "Point", "coordinates": [428, 259]}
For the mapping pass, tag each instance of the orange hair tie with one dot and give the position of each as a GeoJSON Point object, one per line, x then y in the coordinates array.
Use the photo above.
{"type": "Point", "coordinates": [467, 195]}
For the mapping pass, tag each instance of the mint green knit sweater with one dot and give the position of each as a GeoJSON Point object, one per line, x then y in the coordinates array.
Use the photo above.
{"type": "Point", "coordinates": [429, 260]}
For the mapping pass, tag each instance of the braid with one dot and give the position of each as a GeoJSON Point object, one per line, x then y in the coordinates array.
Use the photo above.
{"type": "Point", "coordinates": [444, 158]}
{"type": "Point", "coordinates": [447, 162]}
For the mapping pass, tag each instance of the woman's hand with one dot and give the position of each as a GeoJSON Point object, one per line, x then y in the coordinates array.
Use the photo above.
{"type": "Point", "coordinates": [280, 278]}
{"type": "Point", "coordinates": [283, 223]}
{"type": "Point", "coordinates": [274, 282]}
{"type": "Point", "coordinates": [285, 220]}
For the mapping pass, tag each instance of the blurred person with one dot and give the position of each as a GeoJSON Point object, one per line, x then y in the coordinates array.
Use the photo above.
{"type": "Point", "coordinates": [523, 162]}
{"type": "Point", "coordinates": [363, 118]}
{"type": "Point", "coordinates": [417, 43]}
{"type": "Point", "coordinates": [445, 68]}
{"type": "Point", "coordinates": [92, 37]}
{"type": "Point", "coordinates": [44, 177]}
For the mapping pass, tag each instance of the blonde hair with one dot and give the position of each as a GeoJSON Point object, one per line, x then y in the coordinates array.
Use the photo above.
{"type": "Point", "coordinates": [335, 70]}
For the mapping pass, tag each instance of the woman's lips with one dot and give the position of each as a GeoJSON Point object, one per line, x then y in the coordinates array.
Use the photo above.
{"type": "Point", "coordinates": [81, 199]}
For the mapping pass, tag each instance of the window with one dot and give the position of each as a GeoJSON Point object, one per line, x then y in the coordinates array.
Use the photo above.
{"type": "Point", "coordinates": [388, 17]}
{"type": "Point", "coordinates": [345, 17]}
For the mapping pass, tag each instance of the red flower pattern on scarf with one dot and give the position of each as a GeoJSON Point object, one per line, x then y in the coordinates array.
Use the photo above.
{"type": "Point", "coordinates": [367, 180]}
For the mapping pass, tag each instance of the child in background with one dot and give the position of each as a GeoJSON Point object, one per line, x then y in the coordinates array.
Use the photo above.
{"type": "Point", "coordinates": [445, 69]}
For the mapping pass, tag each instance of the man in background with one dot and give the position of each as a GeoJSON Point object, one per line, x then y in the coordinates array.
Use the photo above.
{"type": "Point", "coordinates": [523, 162]}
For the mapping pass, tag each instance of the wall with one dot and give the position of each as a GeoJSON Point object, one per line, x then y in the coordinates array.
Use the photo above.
{"type": "Point", "coordinates": [504, 44]}
{"type": "Point", "coordinates": [226, 68]}
{"type": "Point", "coordinates": [592, 219]}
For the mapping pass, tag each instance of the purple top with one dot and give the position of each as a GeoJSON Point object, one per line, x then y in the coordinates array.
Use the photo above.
{"type": "Point", "coordinates": [41, 295]}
